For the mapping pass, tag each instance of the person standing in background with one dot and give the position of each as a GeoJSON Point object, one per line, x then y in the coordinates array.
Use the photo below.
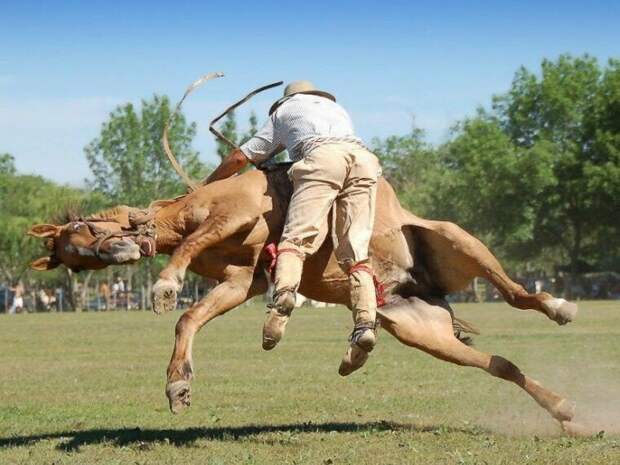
{"type": "Point", "coordinates": [18, 299]}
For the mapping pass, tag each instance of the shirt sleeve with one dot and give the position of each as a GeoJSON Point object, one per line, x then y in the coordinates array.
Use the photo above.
{"type": "Point", "coordinates": [262, 145]}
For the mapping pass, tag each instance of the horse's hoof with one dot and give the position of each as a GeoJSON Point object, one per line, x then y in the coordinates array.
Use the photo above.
{"type": "Point", "coordinates": [560, 310]}
{"type": "Point", "coordinates": [575, 429]}
{"type": "Point", "coordinates": [269, 343]}
{"type": "Point", "coordinates": [164, 297]}
{"type": "Point", "coordinates": [179, 395]}
{"type": "Point", "coordinates": [564, 411]}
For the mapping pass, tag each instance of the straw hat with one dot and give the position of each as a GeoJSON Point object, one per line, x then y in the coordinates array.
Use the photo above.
{"type": "Point", "coordinates": [299, 87]}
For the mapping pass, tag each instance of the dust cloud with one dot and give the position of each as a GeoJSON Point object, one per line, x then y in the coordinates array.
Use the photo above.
{"type": "Point", "coordinates": [594, 386]}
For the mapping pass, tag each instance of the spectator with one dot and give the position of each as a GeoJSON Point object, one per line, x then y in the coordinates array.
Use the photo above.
{"type": "Point", "coordinates": [118, 288]}
{"type": "Point", "coordinates": [45, 299]}
{"type": "Point", "coordinates": [539, 285]}
{"type": "Point", "coordinates": [18, 299]}
{"type": "Point", "coordinates": [104, 294]}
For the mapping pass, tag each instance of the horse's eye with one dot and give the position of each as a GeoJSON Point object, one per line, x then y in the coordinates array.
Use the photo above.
{"type": "Point", "coordinates": [77, 226]}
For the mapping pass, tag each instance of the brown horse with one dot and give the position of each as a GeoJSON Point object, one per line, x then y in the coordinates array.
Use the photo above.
{"type": "Point", "coordinates": [220, 231]}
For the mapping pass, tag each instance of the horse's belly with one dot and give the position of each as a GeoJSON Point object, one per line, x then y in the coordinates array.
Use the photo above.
{"type": "Point", "coordinates": [391, 255]}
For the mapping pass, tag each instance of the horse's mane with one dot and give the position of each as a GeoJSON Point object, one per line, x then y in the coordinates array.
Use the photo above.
{"type": "Point", "coordinates": [110, 213]}
{"type": "Point", "coordinates": [71, 212]}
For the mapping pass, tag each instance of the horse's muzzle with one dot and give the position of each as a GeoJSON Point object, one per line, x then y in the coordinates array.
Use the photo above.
{"type": "Point", "coordinates": [124, 252]}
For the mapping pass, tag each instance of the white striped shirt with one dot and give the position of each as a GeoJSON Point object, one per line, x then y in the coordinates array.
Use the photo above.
{"type": "Point", "coordinates": [302, 122]}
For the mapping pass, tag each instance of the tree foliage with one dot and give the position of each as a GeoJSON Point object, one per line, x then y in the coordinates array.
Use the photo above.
{"type": "Point", "coordinates": [7, 164]}
{"type": "Point", "coordinates": [573, 107]}
{"type": "Point", "coordinates": [127, 159]}
{"type": "Point", "coordinates": [536, 176]}
{"type": "Point", "coordinates": [25, 200]}
{"type": "Point", "coordinates": [491, 187]}
{"type": "Point", "coordinates": [410, 164]}
{"type": "Point", "coordinates": [228, 130]}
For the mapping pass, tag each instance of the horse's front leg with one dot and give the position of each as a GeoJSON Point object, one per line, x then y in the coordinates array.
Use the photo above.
{"type": "Point", "coordinates": [227, 295]}
{"type": "Point", "coordinates": [213, 231]}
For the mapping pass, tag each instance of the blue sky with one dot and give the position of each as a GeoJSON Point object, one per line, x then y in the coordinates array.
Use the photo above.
{"type": "Point", "coordinates": [65, 65]}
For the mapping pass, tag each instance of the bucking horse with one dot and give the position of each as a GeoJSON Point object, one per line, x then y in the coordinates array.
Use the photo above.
{"type": "Point", "coordinates": [222, 231]}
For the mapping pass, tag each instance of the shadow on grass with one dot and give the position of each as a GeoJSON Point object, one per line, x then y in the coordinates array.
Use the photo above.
{"type": "Point", "coordinates": [144, 438]}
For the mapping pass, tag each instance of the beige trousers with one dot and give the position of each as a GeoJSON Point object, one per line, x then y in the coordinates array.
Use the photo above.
{"type": "Point", "coordinates": [338, 177]}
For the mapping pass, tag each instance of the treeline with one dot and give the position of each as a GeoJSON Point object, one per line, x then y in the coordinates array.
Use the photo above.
{"type": "Point", "coordinates": [128, 167]}
{"type": "Point", "coordinates": [535, 175]}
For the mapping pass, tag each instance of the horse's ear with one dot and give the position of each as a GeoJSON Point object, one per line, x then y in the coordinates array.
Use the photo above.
{"type": "Point", "coordinates": [44, 230]}
{"type": "Point", "coordinates": [45, 263]}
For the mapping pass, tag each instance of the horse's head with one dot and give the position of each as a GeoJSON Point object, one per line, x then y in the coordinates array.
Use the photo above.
{"type": "Point", "coordinates": [91, 244]}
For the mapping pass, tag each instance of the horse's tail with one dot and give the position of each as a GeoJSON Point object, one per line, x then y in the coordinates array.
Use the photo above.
{"type": "Point", "coordinates": [461, 326]}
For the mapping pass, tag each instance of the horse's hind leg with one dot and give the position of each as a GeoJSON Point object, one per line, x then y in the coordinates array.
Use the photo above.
{"type": "Point", "coordinates": [428, 326]}
{"type": "Point", "coordinates": [452, 248]}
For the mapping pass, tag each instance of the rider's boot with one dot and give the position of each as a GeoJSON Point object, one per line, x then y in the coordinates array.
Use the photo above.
{"type": "Point", "coordinates": [287, 278]}
{"type": "Point", "coordinates": [364, 308]}
{"type": "Point", "coordinates": [277, 317]}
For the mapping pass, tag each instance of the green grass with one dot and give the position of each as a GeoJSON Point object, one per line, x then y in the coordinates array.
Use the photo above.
{"type": "Point", "coordinates": [89, 388]}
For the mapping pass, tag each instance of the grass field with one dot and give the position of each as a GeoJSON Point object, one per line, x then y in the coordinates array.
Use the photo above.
{"type": "Point", "coordinates": [89, 388]}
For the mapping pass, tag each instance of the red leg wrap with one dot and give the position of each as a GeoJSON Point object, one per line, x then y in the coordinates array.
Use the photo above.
{"type": "Point", "coordinates": [379, 287]}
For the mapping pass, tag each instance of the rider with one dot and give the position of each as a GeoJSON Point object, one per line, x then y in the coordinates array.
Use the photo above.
{"type": "Point", "coordinates": [332, 167]}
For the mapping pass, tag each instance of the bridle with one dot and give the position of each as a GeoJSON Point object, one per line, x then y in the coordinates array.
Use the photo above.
{"type": "Point", "coordinates": [142, 226]}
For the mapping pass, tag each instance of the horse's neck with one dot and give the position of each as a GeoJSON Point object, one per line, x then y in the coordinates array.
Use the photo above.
{"type": "Point", "coordinates": [170, 224]}
{"type": "Point", "coordinates": [169, 227]}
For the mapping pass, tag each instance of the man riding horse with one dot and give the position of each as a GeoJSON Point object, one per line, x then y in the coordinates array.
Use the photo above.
{"type": "Point", "coordinates": [332, 171]}
{"type": "Point", "coordinates": [220, 231]}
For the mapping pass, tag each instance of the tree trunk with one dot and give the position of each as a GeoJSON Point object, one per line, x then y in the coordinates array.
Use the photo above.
{"type": "Point", "coordinates": [84, 293]}
{"type": "Point", "coordinates": [128, 286]}
{"type": "Point", "coordinates": [575, 253]}
{"type": "Point", "coordinates": [70, 286]}
{"type": "Point", "coordinates": [149, 285]}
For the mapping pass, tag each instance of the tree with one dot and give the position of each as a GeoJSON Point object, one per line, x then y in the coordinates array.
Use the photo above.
{"type": "Point", "coordinates": [492, 187]}
{"type": "Point", "coordinates": [24, 201]}
{"type": "Point", "coordinates": [537, 177]}
{"type": "Point", "coordinates": [7, 164]}
{"type": "Point", "coordinates": [130, 167]}
{"type": "Point", "coordinates": [228, 130]}
{"type": "Point", "coordinates": [410, 164]}
{"type": "Point", "coordinates": [253, 129]}
{"type": "Point", "coordinates": [127, 159]}
{"type": "Point", "coordinates": [603, 166]}
{"type": "Point", "coordinates": [573, 107]}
